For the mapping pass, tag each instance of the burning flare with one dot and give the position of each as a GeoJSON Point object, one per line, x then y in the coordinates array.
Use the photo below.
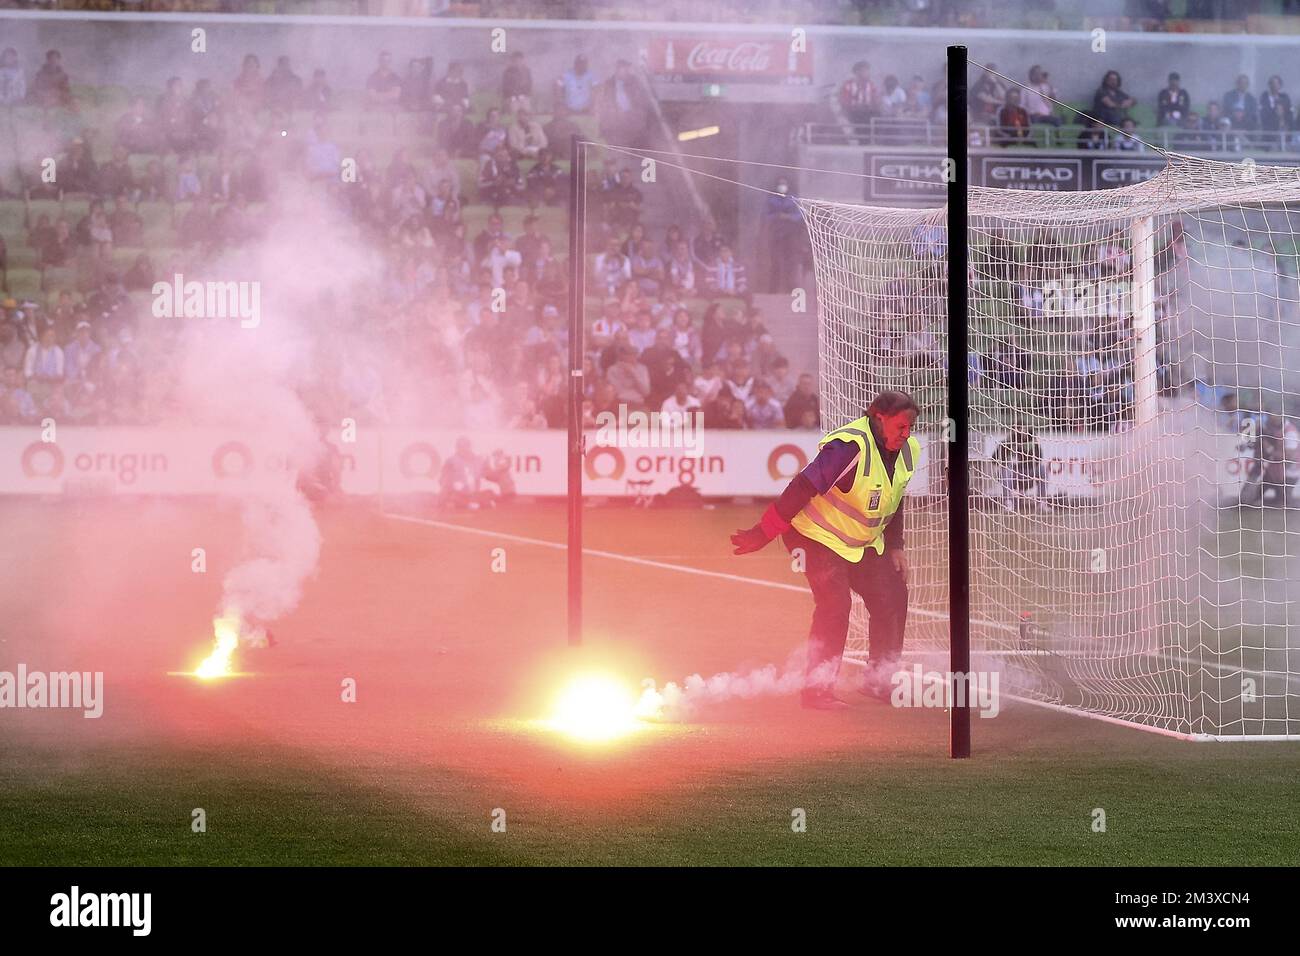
{"type": "Point", "coordinates": [218, 663]}
{"type": "Point", "coordinates": [595, 707]}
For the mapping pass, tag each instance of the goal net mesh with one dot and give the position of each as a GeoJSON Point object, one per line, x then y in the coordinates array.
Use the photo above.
{"type": "Point", "coordinates": [1135, 362]}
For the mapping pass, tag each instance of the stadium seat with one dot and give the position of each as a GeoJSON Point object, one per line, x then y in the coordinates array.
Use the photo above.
{"type": "Point", "coordinates": [75, 209]}
{"type": "Point", "coordinates": [123, 257]}
{"type": "Point", "coordinates": [480, 102]}
{"type": "Point", "coordinates": [23, 257]}
{"type": "Point", "coordinates": [156, 215]}
{"type": "Point", "coordinates": [58, 278]}
{"type": "Point", "coordinates": [45, 207]}
{"type": "Point", "coordinates": [11, 218]}
{"type": "Point", "coordinates": [23, 283]}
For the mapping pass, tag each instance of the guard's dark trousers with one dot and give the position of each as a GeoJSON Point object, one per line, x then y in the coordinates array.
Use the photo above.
{"type": "Point", "coordinates": [832, 580]}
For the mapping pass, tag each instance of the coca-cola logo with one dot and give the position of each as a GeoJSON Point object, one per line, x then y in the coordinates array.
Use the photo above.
{"type": "Point", "coordinates": [744, 57]}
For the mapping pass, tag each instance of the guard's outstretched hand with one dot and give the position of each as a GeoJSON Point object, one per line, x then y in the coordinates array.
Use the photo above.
{"type": "Point", "coordinates": [749, 540]}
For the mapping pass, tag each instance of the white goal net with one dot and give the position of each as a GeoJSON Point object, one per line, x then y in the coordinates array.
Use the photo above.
{"type": "Point", "coordinates": [1134, 379]}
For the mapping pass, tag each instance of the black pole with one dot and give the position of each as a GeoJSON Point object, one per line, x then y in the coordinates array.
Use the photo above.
{"type": "Point", "coordinates": [958, 401]}
{"type": "Point", "coordinates": [577, 303]}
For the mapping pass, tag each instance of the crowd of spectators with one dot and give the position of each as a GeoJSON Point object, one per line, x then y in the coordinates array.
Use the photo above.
{"type": "Point", "coordinates": [1133, 15]}
{"type": "Point", "coordinates": [1004, 113]}
{"type": "Point", "coordinates": [478, 315]}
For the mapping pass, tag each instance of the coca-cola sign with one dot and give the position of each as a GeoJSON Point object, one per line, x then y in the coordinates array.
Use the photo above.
{"type": "Point", "coordinates": [717, 58]}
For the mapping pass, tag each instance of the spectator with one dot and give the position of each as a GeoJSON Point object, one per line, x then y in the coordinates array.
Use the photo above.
{"type": "Point", "coordinates": [681, 403]}
{"type": "Point", "coordinates": [1092, 136]}
{"type": "Point", "coordinates": [765, 355]}
{"type": "Point", "coordinates": [173, 116]}
{"type": "Point", "coordinates": [452, 90]}
{"type": "Point", "coordinates": [456, 134]}
{"type": "Point", "coordinates": [1110, 103]}
{"type": "Point", "coordinates": [248, 84]}
{"type": "Point", "coordinates": [1039, 100]}
{"type": "Point", "coordinates": [919, 101]}
{"type": "Point", "coordinates": [681, 269]}
{"type": "Point", "coordinates": [80, 353]}
{"type": "Point", "coordinates": [417, 94]}
{"type": "Point", "coordinates": [13, 81]}
{"type": "Point", "coordinates": [726, 412]}
{"type": "Point", "coordinates": [499, 180]}
{"type": "Point", "coordinates": [484, 240]}
{"type": "Point", "coordinates": [622, 106]}
{"type": "Point", "coordinates": [546, 183]}
{"type": "Point", "coordinates": [141, 275]}
{"type": "Point", "coordinates": [780, 380]}
{"type": "Point", "coordinates": [666, 367]}
{"type": "Point", "coordinates": [857, 95]}
{"type": "Point", "coordinates": [44, 363]}
{"type": "Point", "coordinates": [115, 177]}
{"type": "Point", "coordinates": [136, 131]}
{"type": "Point", "coordinates": [283, 88]}
{"type": "Point", "coordinates": [1275, 114]}
{"type": "Point", "coordinates": [684, 339]}
{"type": "Point", "coordinates": [707, 245]}
{"type": "Point", "coordinates": [188, 185]}
{"type": "Point", "coordinates": [13, 352]}
{"type": "Point", "coordinates": [727, 277]}
{"type": "Point", "coordinates": [318, 95]}
{"type": "Point", "coordinates": [1240, 99]}
{"type": "Point", "coordinates": [647, 268]}
{"type": "Point", "coordinates": [1172, 103]}
{"type": "Point", "coordinates": [1013, 122]}
{"type": "Point", "coordinates": [517, 84]}
{"type": "Point", "coordinates": [577, 87]}
{"type": "Point", "coordinates": [612, 269]}
{"type": "Point", "coordinates": [1216, 127]}
{"type": "Point", "coordinates": [987, 97]}
{"type": "Point", "coordinates": [643, 334]}
{"type": "Point", "coordinates": [525, 136]}
{"type": "Point", "coordinates": [51, 85]}
{"type": "Point", "coordinates": [763, 410]}
{"type": "Point", "coordinates": [492, 133]}
{"type": "Point", "coordinates": [205, 117]}
{"type": "Point", "coordinates": [740, 380]}
{"type": "Point", "coordinates": [1129, 140]}
{"type": "Point", "coordinates": [630, 379]}
{"type": "Point", "coordinates": [802, 402]}
{"type": "Point", "coordinates": [622, 202]}
{"type": "Point", "coordinates": [58, 247]}
{"type": "Point", "coordinates": [125, 224]}
{"type": "Point", "coordinates": [324, 158]}
{"type": "Point", "coordinates": [384, 87]}
{"type": "Point", "coordinates": [893, 98]}
{"type": "Point", "coordinates": [77, 170]}
{"type": "Point", "coordinates": [500, 258]}
{"type": "Point", "coordinates": [19, 408]}
{"type": "Point", "coordinates": [461, 477]}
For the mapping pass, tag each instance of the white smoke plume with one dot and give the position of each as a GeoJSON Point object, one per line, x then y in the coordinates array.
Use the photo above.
{"type": "Point", "coordinates": [677, 702]}
{"type": "Point", "coordinates": [264, 387]}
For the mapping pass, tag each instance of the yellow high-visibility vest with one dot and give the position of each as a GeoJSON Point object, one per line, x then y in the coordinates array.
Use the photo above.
{"type": "Point", "coordinates": [850, 522]}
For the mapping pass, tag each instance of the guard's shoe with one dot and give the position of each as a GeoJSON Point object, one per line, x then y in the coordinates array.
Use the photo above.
{"type": "Point", "coordinates": [821, 700]}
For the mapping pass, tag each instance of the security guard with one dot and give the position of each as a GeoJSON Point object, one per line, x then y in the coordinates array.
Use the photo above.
{"type": "Point", "coordinates": [844, 510]}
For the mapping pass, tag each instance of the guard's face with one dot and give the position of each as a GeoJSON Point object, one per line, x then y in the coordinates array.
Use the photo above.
{"type": "Point", "coordinates": [896, 428]}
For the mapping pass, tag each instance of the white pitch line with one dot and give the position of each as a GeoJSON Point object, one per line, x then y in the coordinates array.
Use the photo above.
{"type": "Point", "coordinates": [646, 562]}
